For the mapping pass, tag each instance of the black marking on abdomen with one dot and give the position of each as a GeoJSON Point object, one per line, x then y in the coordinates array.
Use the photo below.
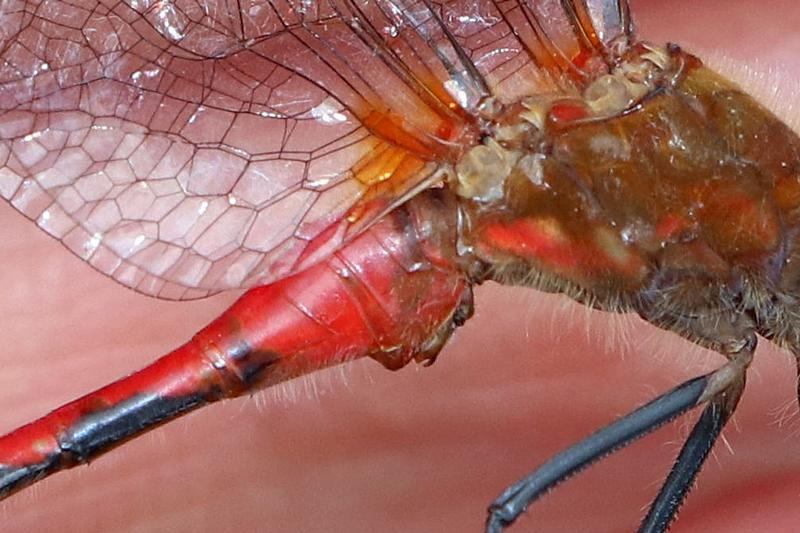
{"type": "Point", "coordinates": [14, 478]}
{"type": "Point", "coordinates": [101, 430]}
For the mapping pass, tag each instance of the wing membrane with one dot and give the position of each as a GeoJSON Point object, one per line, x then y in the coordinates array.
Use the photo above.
{"type": "Point", "coordinates": [185, 147]}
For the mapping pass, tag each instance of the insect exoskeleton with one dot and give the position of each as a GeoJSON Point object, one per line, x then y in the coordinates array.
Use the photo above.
{"type": "Point", "coordinates": [515, 134]}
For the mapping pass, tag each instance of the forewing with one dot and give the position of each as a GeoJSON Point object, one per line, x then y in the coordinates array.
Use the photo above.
{"type": "Point", "coordinates": [186, 147]}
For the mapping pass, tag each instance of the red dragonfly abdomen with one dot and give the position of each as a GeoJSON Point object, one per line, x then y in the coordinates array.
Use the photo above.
{"type": "Point", "coordinates": [385, 295]}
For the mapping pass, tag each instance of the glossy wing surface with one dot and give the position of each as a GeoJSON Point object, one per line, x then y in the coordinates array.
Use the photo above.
{"type": "Point", "coordinates": [185, 147]}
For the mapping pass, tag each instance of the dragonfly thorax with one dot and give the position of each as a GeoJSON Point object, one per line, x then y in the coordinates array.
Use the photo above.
{"type": "Point", "coordinates": [516, 136]}
{"type": "Point", "coordinates": [677, 194]}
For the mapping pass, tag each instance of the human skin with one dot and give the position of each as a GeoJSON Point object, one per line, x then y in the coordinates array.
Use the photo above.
{"type": "Point", "coordinates": [363, 449]}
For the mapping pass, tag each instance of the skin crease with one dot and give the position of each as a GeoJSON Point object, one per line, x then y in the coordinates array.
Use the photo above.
{"type": "Point", "coordinates": [424, 450]}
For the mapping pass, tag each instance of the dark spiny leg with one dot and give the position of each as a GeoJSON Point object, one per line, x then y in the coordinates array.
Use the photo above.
{"type": "Point", "coordinates": [692, 457]}
{"type": "Point", "coordinates": [698, 445]}
{"type": "Point", "coordinates": [712, 387]}
{"type": "Point", "coordinates": [516, 499]}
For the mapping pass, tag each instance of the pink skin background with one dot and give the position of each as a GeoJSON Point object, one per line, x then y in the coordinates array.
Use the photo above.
{"type": "Point", "coordinates": [363, 449]}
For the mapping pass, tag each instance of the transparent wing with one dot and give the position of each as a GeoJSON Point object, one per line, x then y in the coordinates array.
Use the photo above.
{"type": "Point", "coordinates": [528, 47]}
{"type": "Point", "coordinates": [185, 147]}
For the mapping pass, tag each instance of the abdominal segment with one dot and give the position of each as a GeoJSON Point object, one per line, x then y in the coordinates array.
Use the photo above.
{"type": "Point", "coordinates": [382, 296]}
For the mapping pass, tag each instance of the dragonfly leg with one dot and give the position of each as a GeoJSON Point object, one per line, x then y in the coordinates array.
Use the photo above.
{"type": "Point", "coordinates": [695, 450]}
{"type": "Point", "coordinates": [721, 388]}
